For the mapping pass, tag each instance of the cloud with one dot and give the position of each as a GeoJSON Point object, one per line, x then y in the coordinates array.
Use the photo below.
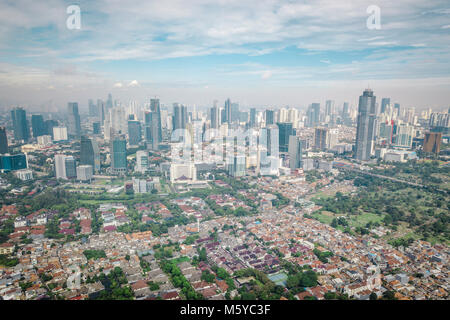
{"type": "Point", "coordinates": [325, 61]}
{"type": "Point", "coordinates": [133, 83]}
{"type": "Point", "coordinates": [266, 75]}
{"type": "Point", "coordinates": [118, 85]}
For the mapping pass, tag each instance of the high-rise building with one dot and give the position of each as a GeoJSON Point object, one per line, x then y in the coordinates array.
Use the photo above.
{"type": "Point", "coordinates": [13, 162]}
{"type": "Point", "coordinates": [60, 134]}
{"type": "Point", "coordinates": [295, 152]}
{"type": "Point", "coordinates": [44, 140]}
{"type": "Point", "coordinates": [93, 110]}
{"type": "Point", "coordinates": [179, 118]}
{"type": "Point", "coordinates": [141, 161]}
{"type": "Point", "coordinates": [3, 141]}
{"type": "Point", "coordinates": [74, 124]}
{"type": "Point", "coordinates": [235, 115]}
{"type": "Point", "coordinates": [321, 136]}
{"type": "Point", "coordinates": [134, 132]}
{"type": "Point", "coordinates": [365, 130]}
{"type": "Point", "coordinates": [20, 124]}
{"type": "Point", "coordinates": [60, 166]}
{"type": "Point", "coordinates": [37, 125]}
{"type": "Point", "coordinates": [96, 129]}
{"type": "Point", "coordinates": [215, 123]}
{"type": "Point", "coordinates": [119, 155]}
{"type": "Point", "coordinates": [252, 117]}
{"type": "Point", "coordinates": [384, 103]}
{"type": "Point", "coordinates": [285, 130]}
{"type": "Point", "coordinates": [432, 142]}
{"type": "Point", "coordinates": [227, 109]}
{"type": "Point", "coordinates": [329, 107]}
{"type": "Point", "coordinates": [71, 167]}
{"type": "Point", "coordinates": [155, 108]}
{"type": "Point", "coordinates": [313, 114]}
{"type": "Point", "coordinates": [49, 125]}
{"type": "Point", "coordinates": [270, 117]}
{"type": "Point", "coordinates": [89, 153]}
{"type": "Point", "coordinates": [237, 165]}
{"type": "Point", "coordinates": [403, 135]}
{"type": "Point", "coordinates": [84, 173]}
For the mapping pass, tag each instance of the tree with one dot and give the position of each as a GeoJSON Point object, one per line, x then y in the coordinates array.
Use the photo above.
{"type": "Point", "coordinates": [373, 296]}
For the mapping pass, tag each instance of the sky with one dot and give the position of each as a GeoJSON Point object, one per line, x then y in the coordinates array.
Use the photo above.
{"type": "Point", "coordinates": [258, 53]}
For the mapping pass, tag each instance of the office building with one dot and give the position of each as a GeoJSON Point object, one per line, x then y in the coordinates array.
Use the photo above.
{"type": "Point", "coordinates": [143, 185]}
{"type": "Point", "coordinates": [13, 162]}
{"type": "Point", "coordinates": [432, 142]}
{"type": "Point", "coordinates": [3, 141]}
{"type": "Point", "coordinates": [237, 165]}
{"type": "Point", "coordinates": [20, 124]}
{"type": "Point", "coordinates": [24, 174]}
{"type": "Point", "coordinates": [365, 130]}
{"type": "Point", "coordinates": [384, 103]}
{"type": "Point", "coordinates": [285, 130]}
{"type": "Point", "coordinates": [180, 172]}
{"type": "Point", "coordinates": [134, 132]}
{"type": "Point", "coordinates": [252, 118]}
{"type": "Point", "coordinates": [321, 137]}
{"type": "Point", "coordinates": [295, 152]}
{"type": "Point", "coordinates": [44, 140]}
{"type": "Point", "coordinates": [119, 155]}
{"type": "Point", "coordinates": [270, 117]}
{"type": "Point", "coordinates": [141, 161]}
{"type": "Point", "coordinates": [71, 167]}
{"type": "Point", "coordinates": [37, 125]}
{"type": "Point", "coordinates": [74, 124]}
{"type": "Point", "coordinates": [180, 116]}
{"type": "Point", "coordinates": [89, 153]}
{"type": "Point", "coordinates": [60, 166]}
{"type": "Point", "coordinates": [60, 134]}
{"type": "Point", "coordinates": [85, 173]}
{"type": "Point", "coordinates": [215, 121]}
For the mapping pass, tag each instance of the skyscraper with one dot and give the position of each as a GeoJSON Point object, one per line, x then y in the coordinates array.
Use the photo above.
{"type": "Point", "coordinates": [432, 142]}
{"type": "Point", "coordinates": [252, 117]}
{"type": "Point", "coordinates": [321, 136]}
{"type": "Point", "coordinates": [119, 155]}
{"type": "Point", "coordinates": [134, 132]}
{"type": "Point", "coordinates": [365, 130]}
{"type": "Point", "coordinates": [284, 132]}
{"type": "Point", "coordinates": [74, 125]}
{"type": "Point", "coordinates": [89, 153]}
{"type": "Point", "coordinates": [37, 125]}
{"type": "Point", "coordinates": [3, 141]}
{"type": "Point", "coordinates": [179, 118]}
{"type": "Point", "coordinates": [384, 103]}
{"type": "Point", "coordinates": [20, 125]}
{"type": "Point", "coordinates": [228, 117]}
{"type": "Point", "coordinates": [60, 166]}
{"type": "Point", "coordinates": [314, 114]}
{"type": "Point", "coordinates": [215, 117]}
{"type": "Point", "coordinates": [269, 117]}
{"type": "Point", "coordinates": [71, 167]}
{"type": "Point", "coordinates": [155, 108]}
{"type": "Point", "coordinates": [295, 152]}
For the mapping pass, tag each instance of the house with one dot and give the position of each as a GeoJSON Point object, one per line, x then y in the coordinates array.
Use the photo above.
{"type": "Point", "coordinates": [6, 248]}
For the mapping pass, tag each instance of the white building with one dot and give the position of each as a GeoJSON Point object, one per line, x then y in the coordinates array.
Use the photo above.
{"type": "Point", "coordinates": [24, 174]}
{"type": "Point", "coordinates": [60, 166]}
{"type": "Point", "coordinates": [143, 185]}
{"type": "Point", "coordinates": [44, 140]}
{"type": "Point", "coordinates": [141, 161]}
{"type": "Point", "coordinates": [60, 134]}
{"type": "Point", "coordinates": [85, 172]}
{"type": "Point", "coordinates": [180, 172]}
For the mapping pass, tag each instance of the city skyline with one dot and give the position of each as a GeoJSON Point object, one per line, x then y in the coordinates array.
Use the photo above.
{"type": "Point", "coordinates": [276, 53]}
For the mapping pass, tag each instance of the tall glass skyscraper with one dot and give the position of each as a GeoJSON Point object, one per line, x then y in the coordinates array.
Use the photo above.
{"type": "Point", "coordinates": [252, 117]}
{"type": "Point", "coordinates": [20, 125]}
{"type": "Point", "coordinates": [74, 125]}
{"type": "Point", "coordinates": [179, 118]}
{"type": "Point", "coordinates": [384, 103]}
{"type": "Point", "coordinates": [295, 152]}
{"type": "Point", "coordinates": [119, 155]}
{"type": "Point", "coordinates": [38, 125]}
{"type": "Point", "coordinates": [3, 141]}
{"type": "Point", "coordinates": [134, 132]}
{"type": "Point", "coordinates": [365, 130]}
{"type": "Point", "coordinates": [89, 153]}
{"type": "Point", "coordinates": [284, 132]}
{"type": "Point", "coordinates": [155, 108]}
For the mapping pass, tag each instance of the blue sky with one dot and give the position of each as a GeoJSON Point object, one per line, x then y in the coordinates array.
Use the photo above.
{"type": "Point", "coordinates": [257, 52]}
